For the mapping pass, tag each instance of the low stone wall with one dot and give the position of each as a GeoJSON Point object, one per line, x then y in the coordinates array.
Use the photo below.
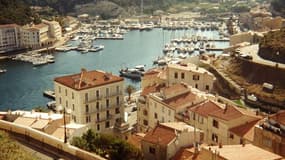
{"type": "Point", "coordinates": [48, 139]}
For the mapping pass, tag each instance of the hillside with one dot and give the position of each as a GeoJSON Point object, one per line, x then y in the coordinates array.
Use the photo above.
{"type": "Point", "coordinates": [15, 11]}
{"type": "Point", "coordinates": [279, 7]}
{"type": "Point", "coordinates": [272, 46]}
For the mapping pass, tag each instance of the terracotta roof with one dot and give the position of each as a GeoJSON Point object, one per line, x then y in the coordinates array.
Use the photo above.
{"type": "Point", "coordinates": [160, 135]}
{"type": "Point", "coordinates": [8, 25]}
{"type": "Point", "coordinates": [40, 124]}
{"type": "Point", "coordinates": [245, 130]}
{"type": "Point", "coordinates": [151, 89]}
{"type": "Point", "coordinates": [239, 152]}
{"type": "Point", "coordinates": [41, 25]}
{"type": "Point", "coordinates": [205, 108]}
{"type": "Point", "coordinates": [175, 89]}
{"type": "Point", "coordinates": [184, 154]}
{"type": "Point", "coordinates": [88, 79]}
{"type": "Point", "coordinates": [24, 121]}
{"type": "Point", "coordinates": [152, 72]}
{"type": "Point", "coordinates": [229, 113]}
{"type": "Point", "coordinates": [279, 117]}
{"type": "Point", "coordinates": [180, 100]}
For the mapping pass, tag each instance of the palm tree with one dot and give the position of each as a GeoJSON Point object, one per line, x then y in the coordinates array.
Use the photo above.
{"type": "Point", "coordinates": [130, 89]}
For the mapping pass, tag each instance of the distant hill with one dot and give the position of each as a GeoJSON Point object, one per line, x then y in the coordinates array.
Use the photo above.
{"type": "Point", "coordinates": [272, 46]}
{"type": "Point", "coordinates": [15, 11]}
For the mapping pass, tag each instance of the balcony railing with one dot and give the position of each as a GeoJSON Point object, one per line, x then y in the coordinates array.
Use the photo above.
{"type": "Point", "coordinates": [104, 108]}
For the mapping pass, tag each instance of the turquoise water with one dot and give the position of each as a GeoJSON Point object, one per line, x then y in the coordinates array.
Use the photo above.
{"type": "Point", "coordinates": [22, 86]}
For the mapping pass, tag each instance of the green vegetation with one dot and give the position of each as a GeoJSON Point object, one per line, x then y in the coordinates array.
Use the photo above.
{"type": "Point", "coordinates": [129, 90]}
{"type": "Point", "coordinates": [41, 109]}
{"type": "Point", "coordinates": [16, 11]}
{"type": "Point", "coordinates": [106, 146]}
{"type": "Point", "coordinates": [9, 150]}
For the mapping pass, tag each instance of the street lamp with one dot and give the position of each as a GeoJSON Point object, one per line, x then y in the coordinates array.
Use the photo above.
{"type": "Point", "coordinates": [60, 108]}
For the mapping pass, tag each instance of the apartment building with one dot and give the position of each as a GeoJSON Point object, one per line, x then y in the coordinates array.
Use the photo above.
{"type": "Point", "coordinates": [160, 103]}
{"type": "Point", "coordinates": [54, 29]}
{"type": "Point", "coordinates": [162, 142]}
{"type": "Point", "coordinates": [94, 97]}
{"type": "Point", "coordinates": [9, 37]}
{"type": "Point", "coordinates": [35, 36]}
{"type": "Point", "coordinates": [223, 123]}
{"type": "Point", "coordinates": [270, 133]}
{"type": "Point", "coordinates": [189, 74]}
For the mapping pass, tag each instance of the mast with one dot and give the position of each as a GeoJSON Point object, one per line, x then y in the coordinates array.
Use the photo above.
{"type": "Point", "coordinates": [141, 7]}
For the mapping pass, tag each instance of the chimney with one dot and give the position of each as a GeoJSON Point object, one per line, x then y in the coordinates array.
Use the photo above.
{"type": "Point", "coordinates": [83, 70]}
{"type": "Point", "coordinates": [226, 108]}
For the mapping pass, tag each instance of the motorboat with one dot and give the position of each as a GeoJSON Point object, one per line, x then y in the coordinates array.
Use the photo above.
{"type": "Point", "coordinates": [3, 70]}
{"type": "Point", "coordinates": [131, 73]}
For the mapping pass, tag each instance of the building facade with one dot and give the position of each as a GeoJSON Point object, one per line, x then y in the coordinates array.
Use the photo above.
{"type": "Point", "coordinates": [9, 37]}
{"type": "Point", "coordinates": [54, 29]}
{"type": "Point", "coordinates": [95, 98]}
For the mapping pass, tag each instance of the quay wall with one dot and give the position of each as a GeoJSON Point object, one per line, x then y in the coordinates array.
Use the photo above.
{"type": "Point", "coordinates": [48, 139]}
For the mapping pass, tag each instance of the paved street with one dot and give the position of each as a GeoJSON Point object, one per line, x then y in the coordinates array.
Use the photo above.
{"type": "Point", "coordinates": [253, 50]}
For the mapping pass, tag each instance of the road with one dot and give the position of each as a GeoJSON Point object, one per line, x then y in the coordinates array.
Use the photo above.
{"type": "Point", "coordinates": [253, 51]}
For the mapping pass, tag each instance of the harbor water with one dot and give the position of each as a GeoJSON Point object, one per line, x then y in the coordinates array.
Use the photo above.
{"type": "Point", "coordinates": [22, 86]}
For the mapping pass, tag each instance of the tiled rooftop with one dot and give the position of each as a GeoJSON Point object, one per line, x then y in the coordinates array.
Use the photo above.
{"type": "Point", "coordinates": [279, 117]}
{"type": "Point", "coordinates": [181, 100]}
{"type": "Point", "coordinates": [245, 130]}
{"type": "Point", "coordinates": [151, 89]}
{"type": "Point", "coordinates": [160, 135]}
{"type": "Point", "coordinates": [8, 25]}
{"type": "Point", "coordinates": [247, 152]}
{"type": "Point", "coordinates": [205, 108]}
{"type": "Point", "coordinates": [88, 79]}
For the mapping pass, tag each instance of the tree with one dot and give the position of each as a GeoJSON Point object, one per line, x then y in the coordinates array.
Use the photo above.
{"type": "Point", "coordinates": [129, 90]}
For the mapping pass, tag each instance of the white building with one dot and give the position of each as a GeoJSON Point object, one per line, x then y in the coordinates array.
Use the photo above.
{"type": "Point", "coordinates": [54, 29]}
{"type": "Point", "coordinates": [94, 97]}
{"type": "Point", "coordinates": [9, 37]}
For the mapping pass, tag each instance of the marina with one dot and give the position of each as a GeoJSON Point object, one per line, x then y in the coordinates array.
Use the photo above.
{"type": "Point", "coordinates": [137, 47]}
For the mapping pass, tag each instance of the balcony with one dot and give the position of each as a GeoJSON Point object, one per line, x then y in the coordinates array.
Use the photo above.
{"type": "Point", "coordinates": [103, 108]}
{"type": "Point", "coordinates": [109, 117]}
{"type": "Point", "coordinates": [91, 100]}
{"type": "Point", "coordinates": [113, 94]}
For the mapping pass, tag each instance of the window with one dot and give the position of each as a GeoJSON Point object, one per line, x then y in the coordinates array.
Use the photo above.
{"type": "Point", "coordinates": [194, 116]}
{"type": "Point", "coordinates": [65, 92]}
{"type": "Point", "coordinates": [175, 75]}
{"type": "Point", "coordinates": [145, 122]}
{"type": "Point", "coordinates": [97, 94]}
{"type": "Point", "coordinates": [73, 108]}
{"type": "Point", "coordinates": [86, 97]}
{"type": "Point", "coordinates": [118, 100]}
{"type": "Point", "coordinates": [66, 104]}
{"type": "Point", "coordinates": [86, 108]}
{"type": "Point", "coordinates": [162, 109]}
{"type": "Point", "coordinates": [118, 89]}
{"type": "Point", "coordinates": [145, 112]}
{"type": "Point", "coordinates": [107, 114]}
{"type": "Point", "coordinates": [196, 85]}
{"type": "Point", "coordinates": [59, 100]}
{"type": "Point", "coordinates": [155, 115]}
{"type": "Point", "coordinates": [207, 87]}
{"type": "Point", "coordinates": [59, 89]}
{"type": "Point", "coordinates": [74, 118]}
{"type": "Point", "coordinates": [169, 112]}
{"type": "Point", "coordinates": [117, 110]}
{"type": "Point", "coordinates": [72, 95]}
{"type": "Point", "coordinates": [215, 123]}
{"type": "Point", "coordinates": [182, 75]}
{"type": "Point", "coordinates": [151, 150]}
{"type": "Point", "coordinates": [231, 136]}
{"type": "Point", "coordinates": [88, 119]}
{"type": "Point", "coordinates": [215, 138]}
{"type": "Point", "coordinates": [107, 124]}
{"type": "Point", "coordinates": [97, 105]}
{"type": "Point", "coordinates": [107, 92]}
{"type": "Point", "coordinates": [267, 142]}
{"type": "Point", "coordinates": [241, 141]}
{"type": "Point", "coordinates": [201, 120]}
{"type": "Point", "coordinates": [98, 117]}
{"type": "Point", "coordinates": [107, 103]}
{"type": "Point", "coordinates": [196, 77]}
{"type": "Point", "coordinates": [98, 127]}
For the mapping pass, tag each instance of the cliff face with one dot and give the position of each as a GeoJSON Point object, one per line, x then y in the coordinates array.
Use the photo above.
{"type": "Point", "coordinates": [278, 7]}
{"type": "Point", "coordinates": [272, 46]}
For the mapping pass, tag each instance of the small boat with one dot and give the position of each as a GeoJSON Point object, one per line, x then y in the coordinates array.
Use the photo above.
{"type": "Point", "coordinates": [50, 58]}
{"type": "Point", "coordinates": [39, 62]}
{"type": "Point", "coordinates": [49, 94]}
{"type": "Point", "coordinates": [3, 70]}
{"type": "Point", "coordinates": [84, 51]}
{"type": "Point", "coordinates": [131, 73]}
{"type": "Point", "coordinates": [96, 48]}
{"type": "Point", "coordinates": [51, 105]}
{"type": "Point", "coordinates": [140, 68]}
